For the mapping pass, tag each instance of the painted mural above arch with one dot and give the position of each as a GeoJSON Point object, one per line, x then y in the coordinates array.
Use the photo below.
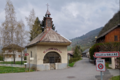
{"type": "Point", "coordinates": [52, 49]}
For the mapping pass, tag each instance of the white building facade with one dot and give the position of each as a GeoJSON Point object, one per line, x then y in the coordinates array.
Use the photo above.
{"type": "Point", "coordinates": [9, 56]}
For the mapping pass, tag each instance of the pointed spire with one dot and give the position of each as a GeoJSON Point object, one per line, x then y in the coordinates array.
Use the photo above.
{"type": "Point", "coordinates": [48, 13]}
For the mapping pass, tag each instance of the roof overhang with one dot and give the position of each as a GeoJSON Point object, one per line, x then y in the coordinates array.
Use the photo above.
{"type": "Point", "coordinates": [51, 44]}
{"type": "Point", "coordinates": [105, 33]}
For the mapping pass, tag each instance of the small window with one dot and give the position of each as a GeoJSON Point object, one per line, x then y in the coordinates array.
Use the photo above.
{"type": "Point", "coordinates": [31, 53]}
{"type": "Point", "coordinates": [115, 38]}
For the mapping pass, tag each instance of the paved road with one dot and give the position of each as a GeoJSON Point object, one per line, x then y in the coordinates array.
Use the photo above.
{"type": "Point", "coordinates": [83, 70]}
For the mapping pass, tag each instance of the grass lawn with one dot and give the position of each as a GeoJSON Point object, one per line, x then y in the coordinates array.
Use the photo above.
{"type": "Point", "coordinates": [107, 66]}
{"type": "Point", "coordinates": [11, 62]}
{"type": "Point", "coordinates": [5, 69]}
{"type": "Point", "coordinates": [72, 64]}
{"type": "Point", "coordinates": [115, 78]}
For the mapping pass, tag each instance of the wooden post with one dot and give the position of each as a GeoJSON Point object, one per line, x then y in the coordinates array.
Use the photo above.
{"type": "Point", "coordinates": [29, 63]}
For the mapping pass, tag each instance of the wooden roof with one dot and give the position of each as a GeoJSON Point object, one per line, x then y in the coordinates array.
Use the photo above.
{"type": "Point", "coordinates": [112, 24]}
{"type": "Point", "coordinates": [12, 46]}
{"type": "Point", "coordinates": [49, 36]}
{"type": "Point", "coordinates": [108, 31]}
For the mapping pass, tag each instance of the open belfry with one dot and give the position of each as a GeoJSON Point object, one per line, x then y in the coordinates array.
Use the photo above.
{"type": "Point", "coordinates": [49, 49]}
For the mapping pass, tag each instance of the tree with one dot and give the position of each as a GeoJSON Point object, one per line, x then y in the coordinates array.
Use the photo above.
{"type": "Point", "coordinates": [30, 20]}
{"type": "Point", "coordinates": [77, 52]}
{"type": "Point", "coordinates": [9, 25]}
{"type": "Point", "coordinates": [21, 36]}
{"type": "Point", "coordinates": [12, 32]}
{"type": "Point", "coordinates": [36, 29]}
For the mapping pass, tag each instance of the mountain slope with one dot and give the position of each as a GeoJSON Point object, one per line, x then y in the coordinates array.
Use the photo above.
{"type": "Point", "coordinates": [86, 40]}
{"type": "Point", "coordinates": [111, 23]}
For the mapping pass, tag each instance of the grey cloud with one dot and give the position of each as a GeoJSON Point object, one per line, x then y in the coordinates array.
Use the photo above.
{"type": "Point", "coordinates": [72, 18]}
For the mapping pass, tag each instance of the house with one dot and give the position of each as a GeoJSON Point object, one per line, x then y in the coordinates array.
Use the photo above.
{"type": "Point", "coordinates": [13, 50]}
{"type": "Point", "coordinates": [85, 53]}
{"type": "Point", "coordinates": [49, 49]}
{"type": "Point", "coordinates": [70, 54]}
{"type": "Point", "coordinates": [110, 35]}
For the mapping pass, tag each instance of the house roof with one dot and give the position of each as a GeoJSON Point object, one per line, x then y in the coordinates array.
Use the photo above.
{"type": "Point", "coordinates": [70, 52]}
{"type": "Point", "coordinates": [108, 31]}
{"type": "Point", "coordinates": [49, 36]}
{"type": "Point", "coordinates": [110, 25]}
{"type": "Point", "coordinates": [12, 46]}
{"type": "Point", "coordinates": [85, 51]}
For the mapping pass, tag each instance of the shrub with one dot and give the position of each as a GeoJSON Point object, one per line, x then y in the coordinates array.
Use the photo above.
{"type": "Point", "coordinates": [74, 59]}
{"type": "Point", "coordinates": [1, 58]}
{"type": "Point", "coordinates": [112, 46]}
{"type": "Point", "coordinates": [25, 58]}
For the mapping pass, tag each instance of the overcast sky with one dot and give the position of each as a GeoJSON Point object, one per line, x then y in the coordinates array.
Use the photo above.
{"type": "Point", "coordinates": [72, 18]}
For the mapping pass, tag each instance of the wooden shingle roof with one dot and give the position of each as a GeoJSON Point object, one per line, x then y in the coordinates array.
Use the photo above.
{"type": "Point", "coordinates": [108, 31]}
{"type": "Point", "coordinates": [49, 36]}
{"type": "Point", "coordinates": [112, 24]}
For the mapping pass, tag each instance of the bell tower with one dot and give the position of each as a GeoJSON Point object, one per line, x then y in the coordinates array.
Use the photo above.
{"type": "Point", "coordinates": [48, 19]}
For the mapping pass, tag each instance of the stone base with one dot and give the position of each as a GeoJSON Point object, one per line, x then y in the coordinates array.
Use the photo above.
{"type": "Point", "coordinates": [61, 65]}
{"type": "Point", "coordinates": [42, 67]}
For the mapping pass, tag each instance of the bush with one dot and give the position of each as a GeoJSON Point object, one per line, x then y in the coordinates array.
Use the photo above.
{"type": "Point", "coordinates": [25, 58]}
{"type": "Point", "coordinates": [1, 58]}
{"type": "Point", "coordinates": [93, 49]}
{"type": "Point", "coordinates": [112, 46]}
{"type": "Point", "coordinates": [74, 59]}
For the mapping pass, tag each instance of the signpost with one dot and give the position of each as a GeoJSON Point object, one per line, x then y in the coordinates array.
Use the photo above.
{"type": "Point", "coordinates": [27, 54]}
{"type": "Point", "coordinates": [106, 54]}
{"type": "Point", "coordinates": [100, 66]}
{"type": "Point", "coordinates": [100, 63]}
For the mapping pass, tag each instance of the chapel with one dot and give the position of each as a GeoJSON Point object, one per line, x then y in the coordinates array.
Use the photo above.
{"type": "Point", "coordinates": [49, 49]}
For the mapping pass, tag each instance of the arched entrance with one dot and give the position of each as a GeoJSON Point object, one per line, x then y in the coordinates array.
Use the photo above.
{"type": "Point", "coordinates": [52, 58]}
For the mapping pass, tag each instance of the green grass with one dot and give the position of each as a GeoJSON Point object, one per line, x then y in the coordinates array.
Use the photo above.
{"type": "Point", "coordinates": [7, 69]}
{"type": "Point", "coordinates": [115, 78]}
{"type": "Point", "coordinates": [16, 62]}
{"type": "Point", "coordinates": [107, 66]}
{"type": "Point", "coordinates": [72, 64]}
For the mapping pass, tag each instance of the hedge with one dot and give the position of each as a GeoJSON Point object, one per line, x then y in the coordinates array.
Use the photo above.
{"type": "Point", "coordinates": [1, 58]}
{"type": "Point", "coordinates": [74, 59]}
{"type": "Point", "coordinates": [111, 46]}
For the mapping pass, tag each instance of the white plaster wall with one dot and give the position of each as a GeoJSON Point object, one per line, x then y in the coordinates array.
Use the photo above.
{"type": "Point", "coordinates": [112, 65]}
{"type": "Point", "coordinates": [41, 49]}
{"type": "Point", "coordinates": [34, 55]}
{"type": "Point", "coordinates": [87, 54]}
{"type": "Point", "coordinates": [17, 58]}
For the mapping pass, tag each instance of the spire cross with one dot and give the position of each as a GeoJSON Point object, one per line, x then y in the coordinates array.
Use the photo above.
{"type": "Point", "coordinates": [47, 6]}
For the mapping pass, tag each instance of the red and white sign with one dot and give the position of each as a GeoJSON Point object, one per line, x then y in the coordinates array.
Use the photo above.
{"type": "Point", "coordinates": [26, 54]}
{"type": "Point", "coordinates": [100, 65]}
{"type": "Point", "coordinates": [106, 54]}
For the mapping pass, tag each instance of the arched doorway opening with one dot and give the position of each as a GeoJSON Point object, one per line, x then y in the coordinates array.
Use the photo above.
{"type": "Point", "coordinates": [52, 58]}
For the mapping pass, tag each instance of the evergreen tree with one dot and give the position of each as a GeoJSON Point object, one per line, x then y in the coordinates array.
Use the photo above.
{"type": "Point", "coordinates": [77, 52]}
{"type": "Point", "coordinates": [36, 29]}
